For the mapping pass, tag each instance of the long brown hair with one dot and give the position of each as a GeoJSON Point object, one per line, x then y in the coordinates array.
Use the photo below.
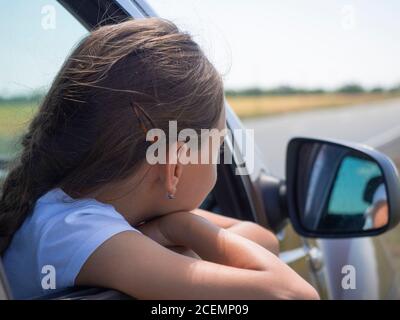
{"type": "Point", "coordinates": [86, 134]}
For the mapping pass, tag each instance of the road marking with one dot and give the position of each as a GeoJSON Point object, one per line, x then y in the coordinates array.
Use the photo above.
{"type": "Point", "coordinates": [384, 138]}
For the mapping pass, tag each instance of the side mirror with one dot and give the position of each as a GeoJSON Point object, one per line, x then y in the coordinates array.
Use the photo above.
{"type": "Point", "coordinates": [340, 190]}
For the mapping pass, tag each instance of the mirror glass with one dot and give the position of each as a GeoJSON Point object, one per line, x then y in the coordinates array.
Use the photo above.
{"type": "Point", "coordinates": [339, 189]}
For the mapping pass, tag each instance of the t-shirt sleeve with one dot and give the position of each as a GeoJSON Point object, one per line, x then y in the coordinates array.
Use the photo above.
{"type": "Point", "coordinates": [68, 241]}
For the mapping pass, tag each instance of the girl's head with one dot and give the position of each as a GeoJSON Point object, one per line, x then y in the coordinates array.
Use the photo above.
{"type": "Point", "coordinates": [89, 134]}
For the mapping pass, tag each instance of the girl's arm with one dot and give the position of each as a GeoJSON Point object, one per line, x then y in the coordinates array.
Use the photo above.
{"type": "Point", "coordinates": [247, 229]}
{"type": "Point", "coordinates": [236, 268]}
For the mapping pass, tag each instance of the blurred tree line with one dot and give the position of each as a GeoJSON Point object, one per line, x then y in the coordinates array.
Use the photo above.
{"type": "Point", "coordinates": [350, 88]}
{"type": "Point", "coordinates": [33, 98]}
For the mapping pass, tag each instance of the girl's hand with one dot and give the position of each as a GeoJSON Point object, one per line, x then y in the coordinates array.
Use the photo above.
{"type": "Point", "coordinates": [210, 241]}
{"type": "Point", "coordinates": [231, 266]}
{"type": "Point", "coordinates": [246, 229]}
{"type": "Point", "coordinates": [166, 229]}
{"type": "Point", "coordinates": [184, 251]}
{"type": "Point", "coordinates": [152, 230]}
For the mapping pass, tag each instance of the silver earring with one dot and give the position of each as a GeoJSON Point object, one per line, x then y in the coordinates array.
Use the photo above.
{"type": "Point", "coordinates": [170, 196]}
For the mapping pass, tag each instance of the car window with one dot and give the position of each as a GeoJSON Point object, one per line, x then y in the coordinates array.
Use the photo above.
{"type": "Point", "coordinates": [36, 38]}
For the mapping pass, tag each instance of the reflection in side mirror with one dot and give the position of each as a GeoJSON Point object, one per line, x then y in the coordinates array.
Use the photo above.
{"type": "Point", "coordinates": [337, 190]}
{"type": "Point", "coordinates": [332, 189]}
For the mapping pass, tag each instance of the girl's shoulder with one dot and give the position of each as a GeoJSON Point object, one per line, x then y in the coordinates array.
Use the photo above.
{"type": "Point", "coordinates": [58, 203]}
{"type": "Point", "coordinates": [57, 216]}
{"type": "Point", "coordinates": [61, 232]}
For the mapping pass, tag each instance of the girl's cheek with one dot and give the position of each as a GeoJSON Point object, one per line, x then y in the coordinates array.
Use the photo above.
{"type": "Point", "coordinates": [206, 176]}
{"type": "Point", "coordinates": [210, 153]}
{"type": "Point", "coordinates": [210, 176]}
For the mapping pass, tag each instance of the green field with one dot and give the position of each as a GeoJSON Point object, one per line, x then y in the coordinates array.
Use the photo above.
{"type": "Point", "coordinates": [264, 105]}
{"type": "Point", "coordinates": [14, 118]}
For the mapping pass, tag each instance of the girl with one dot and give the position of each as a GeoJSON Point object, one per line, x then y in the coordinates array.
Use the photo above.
{"type": "Point", "coordinates": [82, 204]}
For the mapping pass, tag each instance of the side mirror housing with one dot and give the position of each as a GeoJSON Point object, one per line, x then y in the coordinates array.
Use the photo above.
{"type": "Point", "coordinates": [340, 190]}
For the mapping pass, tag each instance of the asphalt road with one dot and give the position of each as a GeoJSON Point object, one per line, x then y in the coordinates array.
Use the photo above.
{"type": "Point", "coordinates": [375, 124]}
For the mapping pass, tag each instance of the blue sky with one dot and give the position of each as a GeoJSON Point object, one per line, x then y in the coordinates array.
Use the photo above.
{"type": "Point", "coordinates": [300, 42]}
{"type": "Point", "coordinates": [30, 55]}
{"type": "Point", "coordinates": [306, 43]}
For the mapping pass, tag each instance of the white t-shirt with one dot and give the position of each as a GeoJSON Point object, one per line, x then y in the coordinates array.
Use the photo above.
{"type": "Point", "coordinates": [55, 240]}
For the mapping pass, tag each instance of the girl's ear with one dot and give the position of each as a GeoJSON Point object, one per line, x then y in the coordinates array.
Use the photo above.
{"type": "Point", "coordinates": [172, 170]}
